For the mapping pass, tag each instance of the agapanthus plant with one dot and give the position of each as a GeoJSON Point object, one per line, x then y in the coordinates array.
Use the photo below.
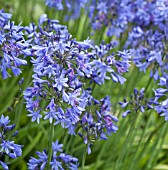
{"type": "Point", "coordinates": [66, 73]}
{"type": "Point", "coordinates": [64, 70]}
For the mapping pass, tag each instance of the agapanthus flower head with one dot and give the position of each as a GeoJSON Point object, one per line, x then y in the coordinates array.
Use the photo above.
{"type": "Point", "coordinates": [148, 44]}
{"type": "Point", "coordinates": [59, 159]}
{"type": "Point", "coordinates": [7, 146]}
{"type": "Point", "coordinates": [108, 63]}
{"type": "Point", "coordinates": [61, 65]}
{"type": "Point", "coordinates": [145, 58]}
{"type": "Point", "coordinates": [137, 102]}
{"type": "Point", "coordinates": [97, 122]}
{"type": "Point", "coordinates": [12, 47]}
{"type": "Point", "coordinates": [115, 15]}
{"type": "Point", "coordinates": [64, 70]}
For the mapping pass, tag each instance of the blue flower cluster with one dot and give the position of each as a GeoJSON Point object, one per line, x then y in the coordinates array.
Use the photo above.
{"type": "Point", "coordinates": [96, 121]}
{"type": "Point", "coordinates": [65, 70]}
{"type": "Point", "coordinates": [115, 15]}
{"type": "Point", "coordinates": [137, 102]}
{"type": "Point", "coordinates": [146, 24]}
{"type": "Point", "coordinates": [12, 46]}
{"type": "Point", "coordinates": [59, 160]}
{"type": "Point", "coordinates": [8, 147]}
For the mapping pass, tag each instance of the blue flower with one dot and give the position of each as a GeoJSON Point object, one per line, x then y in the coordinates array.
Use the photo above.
{"type": "Point", "coordinates": [36, 116]}
{"type": "Point", "coordinates": [36, 163]}
{"type": "Point", "coordinates": [54, 112]}
{"type": "Point", "coordinates": [126, 113]}
{"type": "Point", "coordinates": [123, 104]}
{"type": "Point", "coordinates": [72, 7]}
{"type": "Point", "coordinates": [98, 124]}
{"type": "Point", "coordinates": [56, 165]}
{"type": "Point", "coordinates": [4, 166]}
{"type": "Point", "coordinates": [72, 114]}
{"type": "Point", "coordinates": [61, 82]}
{"type": "Point", "coordinates": [4, 16]}
{"type": "Point", "coordinates": [4, 121]}
{"type": "Point", "coordinates": [61, 65]}
{"type": "Point", "coordinates": [102, 8]}
{"type": "Point", "coordinates": [57, 147]}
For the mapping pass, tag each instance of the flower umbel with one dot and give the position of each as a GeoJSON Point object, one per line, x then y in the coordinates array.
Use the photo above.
{"type": "Point", "coordinates": [59, 160]}
{"type": "Point", "coordinates": [7, 146]}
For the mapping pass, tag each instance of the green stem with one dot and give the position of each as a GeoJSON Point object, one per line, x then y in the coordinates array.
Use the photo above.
{"type": "Point", "coordinates": [72, 145]}
{"type": "Point", "coordinates": [83, 160]}
{"type": "Point", "coordinates": [135, 160]}
{"type": "Point", "coordinates": [65, 137]}
{"type": "Point", "coordinates": [147, 86]}
{"type": "Point", "coordinates": [93, 87]}
{"type": "Point", "coordinates": [152, 134]}
{"type": "Point", "coordinates": [156, 148]}
{"type": "Point", "coordinates": [129, 136]}
{"type": "Point", "coordinates": [50, 137]}
{"type": "Point", "coordinates": [81, 26]}
{"type": "Point", "coordinates": [115, 143]}
{"type": "Point", "coordinates": [69, 144]}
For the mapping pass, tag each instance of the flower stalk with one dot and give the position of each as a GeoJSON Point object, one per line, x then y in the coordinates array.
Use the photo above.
{"type": "Point", "coordinates": [83, 159]}
{"type": "Point", "coordinates": [50, 139]}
